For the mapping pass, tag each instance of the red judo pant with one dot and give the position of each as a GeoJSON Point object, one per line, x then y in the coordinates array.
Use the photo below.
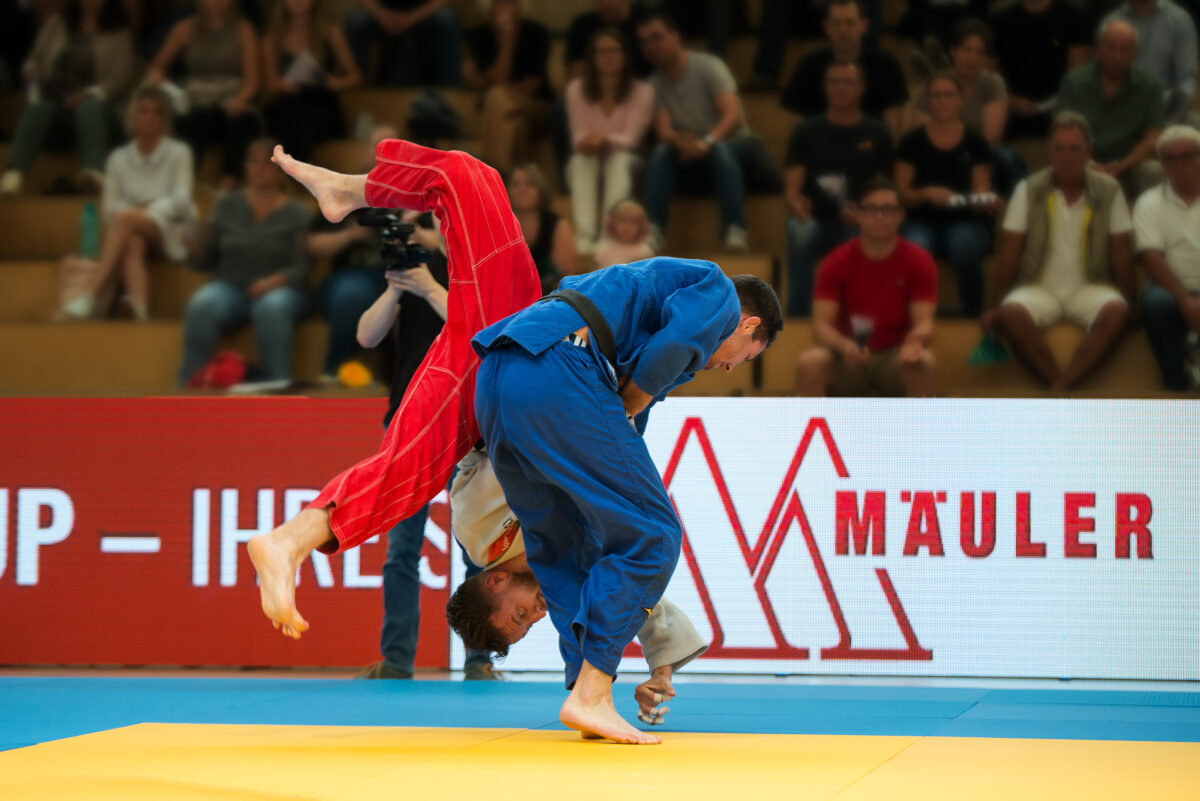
{"type": "Point", "coordinates": [491, 276]}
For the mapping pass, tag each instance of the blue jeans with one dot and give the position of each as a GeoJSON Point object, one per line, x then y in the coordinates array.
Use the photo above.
{"type": "Point", "coordinates": [964, 243]}
{"type": "Point", "coordinates": [219, 307]}
{"type": "Point", "coordinates": [1166, 330]}
{"type": "Point", "coordinates": [432, 43]}
{"type": "Point", "coordinates": [725, 163]}
{"type": "Point", "coordinates": [808, 242]}
{"type": "Point", "coordinates": [343, 297]}
{"type": "Point", "coordinates": [402, 594]}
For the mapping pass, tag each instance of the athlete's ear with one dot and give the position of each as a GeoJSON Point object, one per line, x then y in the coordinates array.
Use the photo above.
{"type": "Point", "coordinates": [496, 580]}
{"type": "Point", "coordinates": [751, 323]}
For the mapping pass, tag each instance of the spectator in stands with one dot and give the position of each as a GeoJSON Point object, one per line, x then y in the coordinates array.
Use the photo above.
{"type": "Point", "coordinates": [620, 14]}
{"type": "Point", "coordinates": [1166, 50]}
{"type": "Point", "coordinates": [830, 156]}
{"type": "Point", "coordinates": [886, 93]}
{"type": "Point", "coordinates": [306, 63]}
{"type": "Point", "coordinates": [939, 167]}
{"type": "Point", "coordinates": [550, 238]}
{"type": "Point", "coordinates": [254, 244]}
{"type": "Point", "coordinates": [1065, 245]}
{"type": "Point", "coordinates": [627, 228]}
{"type": "Point", "coordinates": [700, 128]}
{"type": "Point", "coordinates": [1037, 41]}
{"type": "Point", "coordinates": [220, 53]}
{"type": "Point", "coordinates": [80, 67]}
{"type": "Point", "coordinates": [421, 38]}
{"type": "Point", "coordinates": [778, 19]}
{"type": "Point", "coordinates": [714, 20]}
{"type": "Point", "coordinates": [872, 309]}
{"type": "Point", "coordinates": [985, 99]}
{"type": "Point", "coordinates": [609, 113]}
{"type": "Point", "coordinates": [1166, 225]}
{"type": "Point", "coordinates": [148, 207]}
{"type": "Point", "coordinates": [937, 19]}
{"type": "Point", "coordinates": [356, 278]}
{"type": "Point", "coordinates": [1122, 104]}
{"type": "Point", "coordinates": [507, 57]}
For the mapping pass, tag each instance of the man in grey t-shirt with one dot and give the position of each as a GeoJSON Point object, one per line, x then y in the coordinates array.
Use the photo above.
{"type": "Point", "coordinates": [700, 128]}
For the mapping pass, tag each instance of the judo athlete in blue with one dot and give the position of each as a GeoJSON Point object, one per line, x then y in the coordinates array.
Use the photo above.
{"type": "Point", "coordinates": [563, 427]}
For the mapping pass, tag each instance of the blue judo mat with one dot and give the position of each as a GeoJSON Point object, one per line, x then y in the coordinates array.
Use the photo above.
{"type": "Point", "coordinates": [35, 710]}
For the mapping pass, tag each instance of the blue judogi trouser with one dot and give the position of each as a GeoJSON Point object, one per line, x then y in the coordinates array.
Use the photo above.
{"type": "Point", "coordinates": [601, 535]}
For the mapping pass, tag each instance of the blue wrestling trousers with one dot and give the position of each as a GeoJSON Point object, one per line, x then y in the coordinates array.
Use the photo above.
{"type": "Point", "coordinates": [601, 534]}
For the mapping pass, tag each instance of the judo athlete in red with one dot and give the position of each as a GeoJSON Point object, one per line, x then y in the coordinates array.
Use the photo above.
{"type": "Point", "coordinates": [491, 276]}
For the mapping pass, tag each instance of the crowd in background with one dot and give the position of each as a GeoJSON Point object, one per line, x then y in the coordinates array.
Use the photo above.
{"type": "Point", "coordinates": [147, 91]}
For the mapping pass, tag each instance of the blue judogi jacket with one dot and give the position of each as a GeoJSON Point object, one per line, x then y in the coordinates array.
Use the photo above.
{"type": "Point", "coordinates": [668, 317]}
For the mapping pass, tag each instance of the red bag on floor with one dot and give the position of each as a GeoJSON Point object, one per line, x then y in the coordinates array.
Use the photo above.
{"type": "Point", "coordinates": [225, 369]}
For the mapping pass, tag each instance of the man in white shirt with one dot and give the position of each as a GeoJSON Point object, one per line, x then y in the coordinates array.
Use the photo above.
{"type": "Point", "coordinates": [1065, 254]}
{"type": "Point", "coordinates": [495, 608]}
{"type": "Point", "coordinates": [1166, 224]}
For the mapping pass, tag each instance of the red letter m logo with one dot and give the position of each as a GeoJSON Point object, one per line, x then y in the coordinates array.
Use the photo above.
{"type": "Point", "coordinates": [760, 559]}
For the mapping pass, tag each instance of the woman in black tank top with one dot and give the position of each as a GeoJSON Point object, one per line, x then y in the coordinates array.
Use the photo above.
{"type": "Point", "coordinates": [551, 238]}
{"type": "Point", "coordinates": [307, 64]}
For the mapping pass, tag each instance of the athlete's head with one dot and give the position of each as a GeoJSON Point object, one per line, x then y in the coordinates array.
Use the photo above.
{"type": "Point", "coordinates": [495, 609]}
{"type": "Point", "coordinates": [762, 319]}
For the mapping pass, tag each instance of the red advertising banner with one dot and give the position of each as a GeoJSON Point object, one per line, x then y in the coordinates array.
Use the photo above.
{"type": "Point", "coordinates": [123, 525]}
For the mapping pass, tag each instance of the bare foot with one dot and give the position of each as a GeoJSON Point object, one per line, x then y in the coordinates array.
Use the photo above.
{"type": "Point", "coordinates": [601, 721]}
{"type": "Point", "coordinates": [337, 194]}
{"type": "Point", "coordinates": [276, 566]}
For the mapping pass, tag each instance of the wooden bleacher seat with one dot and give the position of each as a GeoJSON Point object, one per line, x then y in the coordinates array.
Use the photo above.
{"type": "Point", "coordinates": [1129, 372]}
{"type": "Point", "coordinates": [123, 357]}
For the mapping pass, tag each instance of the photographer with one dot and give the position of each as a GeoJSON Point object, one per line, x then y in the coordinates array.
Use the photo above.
{"type": "Point", "coordinates": [413, 308]}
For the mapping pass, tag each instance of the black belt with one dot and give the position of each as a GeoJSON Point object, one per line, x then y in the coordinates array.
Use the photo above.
{"type": "Point", "coordinates": [601, 334]}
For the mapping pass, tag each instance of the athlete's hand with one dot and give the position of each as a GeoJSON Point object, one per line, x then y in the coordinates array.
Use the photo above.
{"type": "Point", "coordinates": [652, 694]}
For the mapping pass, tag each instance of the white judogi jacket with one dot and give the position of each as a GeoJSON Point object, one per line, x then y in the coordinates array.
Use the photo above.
{"type": "Point", "coordinates": [489, 532]}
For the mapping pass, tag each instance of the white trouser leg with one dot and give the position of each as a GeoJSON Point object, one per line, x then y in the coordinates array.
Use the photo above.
{"type": "Point", "coordinates": [583, 174]}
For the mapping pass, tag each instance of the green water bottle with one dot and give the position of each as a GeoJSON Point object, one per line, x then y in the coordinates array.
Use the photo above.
{"type": "Point", "coordinates": [89, 231]}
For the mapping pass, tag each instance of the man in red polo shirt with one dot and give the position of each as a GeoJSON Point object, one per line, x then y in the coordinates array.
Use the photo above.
{"type": "Point", "coordinates": [873, 307]}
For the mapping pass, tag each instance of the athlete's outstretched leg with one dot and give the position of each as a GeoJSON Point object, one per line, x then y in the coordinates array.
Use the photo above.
{"type": "Point", "coordinates": [491, 276]}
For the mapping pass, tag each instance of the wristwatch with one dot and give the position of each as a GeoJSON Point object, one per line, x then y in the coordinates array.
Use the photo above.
{"type": "Point", "coordinates": [708, 140]}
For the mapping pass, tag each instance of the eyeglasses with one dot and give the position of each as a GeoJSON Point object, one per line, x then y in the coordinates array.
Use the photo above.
{"type": "Point", "coordinates": [946, 95]}
{"type": "Point", "coordinates": [872, 209]}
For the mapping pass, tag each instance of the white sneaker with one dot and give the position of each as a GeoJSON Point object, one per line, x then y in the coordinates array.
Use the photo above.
{"type": "Point", "coordinates": [138, 313]}
{"type": "Point", "coordinates": [10, 182]}
{"type": "Point", "coordinates": [735, 239]}
{"type": "Point", "coordinates": [656, 239]}
{"type": "Point", "coordinates": [81, 308]}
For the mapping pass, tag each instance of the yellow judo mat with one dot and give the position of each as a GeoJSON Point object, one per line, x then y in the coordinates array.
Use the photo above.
{"type": "Point", "coordinates": [154, 761]}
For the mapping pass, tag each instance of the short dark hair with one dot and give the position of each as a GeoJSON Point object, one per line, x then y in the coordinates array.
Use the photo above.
{"type": "Point", "coordinates": [658, 16]}
{"type": "Point", "coordinates": [862, 9]}
{"type": "Point", "coordinates": [468, 612]}
{"type": "Point", "coordinates": [758, 299]}
{"type": "Point", "coordinates": [967, 27]}
{"type": "Point", "coordinates": [878, 183]}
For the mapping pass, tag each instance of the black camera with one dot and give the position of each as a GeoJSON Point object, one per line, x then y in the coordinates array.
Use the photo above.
{"type": "Point", "coordinates": [397, 253]}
